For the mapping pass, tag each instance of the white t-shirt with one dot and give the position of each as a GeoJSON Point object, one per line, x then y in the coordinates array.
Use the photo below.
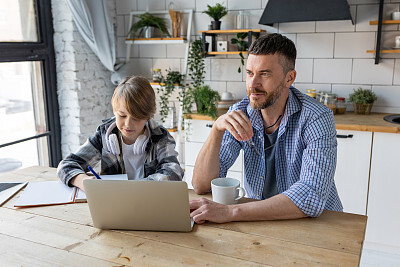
{"type": "Point", "coordinates": [134, 164]}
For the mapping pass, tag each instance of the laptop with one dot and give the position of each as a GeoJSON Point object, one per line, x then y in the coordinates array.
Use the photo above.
{"type": "Point", "coordinates": [139, 205]}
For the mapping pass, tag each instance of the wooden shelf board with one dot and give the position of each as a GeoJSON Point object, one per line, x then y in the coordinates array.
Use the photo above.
{"type": "Point", "coordinates": [156, 41]}
{"type": "Point", "coordinates": [194, 116]}
{"type": "Point", "coordinates": [232, 31]}
{"type": "Point", "coordinates": [226, 53]}
{"type": "Point", "coordinates": [155, 83]}
{"type": "Point", "coordinates": [384, 22]}
{"type": "Point", "coordinates": [394, 51]}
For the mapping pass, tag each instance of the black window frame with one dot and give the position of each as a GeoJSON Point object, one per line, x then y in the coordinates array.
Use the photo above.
{"type": "Point", "coordinates": [42, 51]}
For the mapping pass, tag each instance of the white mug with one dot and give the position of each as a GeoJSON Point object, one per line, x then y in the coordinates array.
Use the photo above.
{"type": "Point", "coordinates": [397, 41]}
{"type": "Point", "coordinates": [396, 15]}
{"type": "Point", "coordinates": [226, 190]}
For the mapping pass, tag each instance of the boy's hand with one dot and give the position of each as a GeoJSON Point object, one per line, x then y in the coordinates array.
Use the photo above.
{"type": "Point", "coordinates": [78, 180]}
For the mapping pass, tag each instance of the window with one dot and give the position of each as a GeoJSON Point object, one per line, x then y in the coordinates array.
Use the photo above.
{"type": "Point", "coordinates": [30, 126]}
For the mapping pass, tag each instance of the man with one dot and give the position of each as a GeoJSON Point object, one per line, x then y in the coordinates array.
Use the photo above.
{"type": "Point", "coordinates": [289, 143]}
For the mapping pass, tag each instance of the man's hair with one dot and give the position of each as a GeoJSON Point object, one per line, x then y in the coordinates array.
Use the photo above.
{"type": "Point", "coordinates": [270, 44]}
{"type": "Point", "coordinates": [137, 95]}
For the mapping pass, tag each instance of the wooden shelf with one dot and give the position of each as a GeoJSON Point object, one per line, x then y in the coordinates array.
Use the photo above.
{"type": "Point", "coordinates": [385, 51]}
{"type": "Point", "coordinates": [194, 116]}
{"type": "Point", "coordinates": [384, 22]}
{"type": "Point", "coordinates": [155, 41]}
{"type": "Point", "coordinates": [184, 40]}
{"type": "Point", "coordinates": [214, 33]}
{"type": "Point", "coordinates": [232, 31]}
{"type": "Point", "coordinates": [155, 83]}
{"type": "Point", "coordinates": [226, 53]}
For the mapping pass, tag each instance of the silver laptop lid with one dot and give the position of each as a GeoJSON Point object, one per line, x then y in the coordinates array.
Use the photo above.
{"type": "Point", "coordinates": [139, 205]}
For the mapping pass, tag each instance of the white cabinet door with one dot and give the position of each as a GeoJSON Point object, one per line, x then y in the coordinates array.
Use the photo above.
{"type": "Point", "coordinates": [196, 133]}
{"type": "Point", "coordinates": [231, 174]}
{"type": "Point", "coordinates": [191, 152]}
{"type": "Point", "coordinates": [383, 226]}
{"type": "Point", "coordinates": [197, 130]}
{"type": "Point", "coordinates": [352, 169]}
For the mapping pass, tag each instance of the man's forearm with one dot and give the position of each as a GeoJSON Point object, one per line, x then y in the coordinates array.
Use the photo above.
{"type": "Point", "coordinates": [279, 207]}
{"type": "Point", "coordinates": [207, 163]}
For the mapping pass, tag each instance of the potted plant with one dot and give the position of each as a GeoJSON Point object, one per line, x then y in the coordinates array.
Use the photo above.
{"type": "Point", "coordinates": [242, 46]}
{"type": "Point", "coordinates": [216, 13]}
{"type": "Point", "coordinates": [206, 100]}
{"type": "Point", "coordinates": [362, 99]}
{"type": "Point", "coordinates": [146, 23]}
{"type": "Point", "coordinates": [167, 87]}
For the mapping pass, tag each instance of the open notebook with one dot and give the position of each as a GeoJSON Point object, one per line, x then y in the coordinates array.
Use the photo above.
{"type": "Point", "coordinates": [55, 193]}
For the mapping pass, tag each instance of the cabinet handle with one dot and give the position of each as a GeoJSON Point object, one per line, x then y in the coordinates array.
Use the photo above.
{"type": "Point", "coordinates": [209, 125]}
{"type": "Point", "coordinates": [344, 136]}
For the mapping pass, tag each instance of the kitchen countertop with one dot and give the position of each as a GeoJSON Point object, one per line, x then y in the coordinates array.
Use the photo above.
{"type": "Point", "coordinates": [370, 123]}
{"type": "Point", "coordinates": [348, 121]}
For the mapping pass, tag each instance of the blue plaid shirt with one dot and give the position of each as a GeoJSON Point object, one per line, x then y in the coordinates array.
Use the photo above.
{"type": "Point", "coordinates": [305, 158]}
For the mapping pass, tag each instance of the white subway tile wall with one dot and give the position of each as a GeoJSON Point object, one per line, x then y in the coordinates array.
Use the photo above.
{"type": "Point", "coordinates": [354, 44]}
{"type": "Point", "coordinates": [365, 71]}
{"type": "Point", "coordinates": [331, 54]}
{"type": "Point", "coordinates": [307, 45]}
{"type": "Point", "coordinates": [332, 70]}
{"type": "Point", "coordinates": [396, 78]}
{"type": "Point", "coordinates": [304, 68]}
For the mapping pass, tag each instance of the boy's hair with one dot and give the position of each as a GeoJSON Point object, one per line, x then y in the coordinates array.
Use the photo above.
{"type": "Point", "coordinates": [137, 95]}
{"type": "Point", "coordinates": [270, 44]}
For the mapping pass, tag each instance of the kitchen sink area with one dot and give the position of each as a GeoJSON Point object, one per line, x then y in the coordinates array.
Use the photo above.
{"type": "Point", "coordinates": [395, 118]}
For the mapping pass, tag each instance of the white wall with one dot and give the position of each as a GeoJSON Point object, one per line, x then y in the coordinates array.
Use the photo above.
{"type": "Point", "coordinates": [331, 54]}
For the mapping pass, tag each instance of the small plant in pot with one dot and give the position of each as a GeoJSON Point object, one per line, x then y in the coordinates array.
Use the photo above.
{"type": "Point", "coordinates": [167, 87]}
{"type": "Point", "coordinates": [206, 100]}
{"type": "Point", "coordinates": [216, 13]}
{"type": "Point", "coordinates": [145, 24]}
{"type": "Point", "coordinates": [242, 46]}
{"type": "Point", "coordinates": [362, 99]}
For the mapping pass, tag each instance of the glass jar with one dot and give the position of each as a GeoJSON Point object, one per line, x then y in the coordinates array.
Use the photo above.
{"type": "Point", "coordinates": [330, 101]}
{"type": "Point", "coordinates": [340, 105]}
{"type": "Point", "coordinates": [157, 75]}
{"type": "Point", "coordinates": [312, 93]}
{"type": "Point", "coordinates": [321, 96]}
{"type": "Point", "coordinates": [242, 20]}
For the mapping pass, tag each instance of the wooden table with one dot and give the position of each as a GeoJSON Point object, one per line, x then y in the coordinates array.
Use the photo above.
{"type": "Point", "coordinates": [64, 235]}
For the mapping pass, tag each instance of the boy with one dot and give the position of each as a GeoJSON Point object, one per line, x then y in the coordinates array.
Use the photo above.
{"type": "Point", "coordinates": [131, 142]}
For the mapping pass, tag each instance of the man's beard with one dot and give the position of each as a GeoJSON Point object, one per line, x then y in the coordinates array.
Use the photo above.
{"type": "Point", "coordinates": [271, 98]}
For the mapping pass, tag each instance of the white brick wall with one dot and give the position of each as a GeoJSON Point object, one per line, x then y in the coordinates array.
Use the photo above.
{"type": "Point", "coordinates": [84, 87]}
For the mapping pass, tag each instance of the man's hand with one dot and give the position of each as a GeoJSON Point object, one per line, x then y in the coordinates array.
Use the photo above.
{"type": "Point", "coordinates": [237, 123]}
{"type": "Point", "coordinates": [207, 210]}
{"type": "Point", "coordinates": [78, 180]}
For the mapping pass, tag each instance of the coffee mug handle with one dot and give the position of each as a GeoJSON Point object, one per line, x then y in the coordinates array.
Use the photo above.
{"type": "Point", "coordinates": [242, 193]}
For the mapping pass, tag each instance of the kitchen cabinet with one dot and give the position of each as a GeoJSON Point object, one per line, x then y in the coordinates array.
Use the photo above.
{"type": "Point", "coordinates": [383, 211]}
{"type": "Point", "coordinates": [196, 134]}
{"type": "Point", "coordinates": [352, 169]}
